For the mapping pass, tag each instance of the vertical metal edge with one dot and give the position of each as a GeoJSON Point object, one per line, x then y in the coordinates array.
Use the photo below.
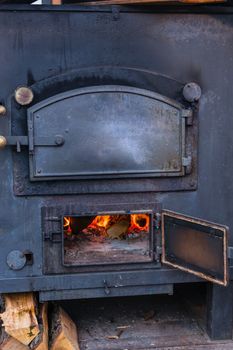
{"type": "Point", "coordinates": [30, 143]}
{"type": "Point", "coordinates": [163, 259]}
{"type": "Point", "coordinates": [225, 252]}
{"type": "Point", "coordinates": [62, 241]}
{"type": "Point", "coordinates": [183, 141]}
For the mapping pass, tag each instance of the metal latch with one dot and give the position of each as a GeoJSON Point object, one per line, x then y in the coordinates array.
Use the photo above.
{"type": "Point", "coordinates": [18, 141]}
{"type": "Point", "coordinates": [53, 234]}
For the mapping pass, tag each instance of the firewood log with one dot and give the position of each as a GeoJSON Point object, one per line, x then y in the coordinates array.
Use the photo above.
{"type": "Point", "coordinates": [41, 340]}
{"type": "Point", "coordinates": [19, 317]}
{"type": "Point", "coordinates": [63, 334]}
{"type": "Point", "coordinates": [9, 343]}
{"type": "Point", "coordinates": [118, 229]}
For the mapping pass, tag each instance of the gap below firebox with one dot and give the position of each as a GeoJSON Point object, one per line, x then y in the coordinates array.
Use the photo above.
{"type": "Point", "coordinates": [158, 322]}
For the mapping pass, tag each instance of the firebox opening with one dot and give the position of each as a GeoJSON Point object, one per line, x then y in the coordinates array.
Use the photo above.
{"type": "Point", "coordinates": [107, 239]}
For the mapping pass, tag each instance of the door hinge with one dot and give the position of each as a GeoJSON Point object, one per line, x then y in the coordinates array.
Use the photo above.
{"type": "Point", "coordinates": [188, 114]}
{"type": "Point", "coordinates": [230, 252]}
{"type": "Point", "coordinates": [157, 221]}
{"type": "Point", "coordinates": [187, 163]}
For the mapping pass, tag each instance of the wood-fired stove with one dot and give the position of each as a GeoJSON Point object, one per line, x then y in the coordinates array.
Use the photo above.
{"type": "Point", "coordinates": [116, 152]}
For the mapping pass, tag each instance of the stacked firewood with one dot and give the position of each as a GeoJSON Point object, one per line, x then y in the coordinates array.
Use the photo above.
{"type": "Point", "coordinates": [26, 324]}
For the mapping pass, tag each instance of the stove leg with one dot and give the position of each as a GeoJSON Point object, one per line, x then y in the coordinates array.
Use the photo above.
{"type": "Point", "coordinates": [219, 311]}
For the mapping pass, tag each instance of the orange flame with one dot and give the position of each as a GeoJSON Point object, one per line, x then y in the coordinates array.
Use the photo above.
{"type": "Point", "coordinates": [140, 221]}
{"type": "Point", "coordinates": [66, 224]}
{"type": "Point", "coordinates": [101, 221]}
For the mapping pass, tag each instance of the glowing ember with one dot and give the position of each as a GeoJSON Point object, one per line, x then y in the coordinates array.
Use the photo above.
{"type": "Point", "coordinates": [140, 222]}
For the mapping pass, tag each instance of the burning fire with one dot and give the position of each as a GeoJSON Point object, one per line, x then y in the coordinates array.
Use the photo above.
{"type": "Point", "coordinates": [137, 222]}
{"type": "Point", "coordinates": [140, 221]}
{"type": "Point", "coordinates": [66, 225]}
{"type": "Point", "coordinates": [101, 221]}
{"type": "Point", "coordinates": [66, 222]}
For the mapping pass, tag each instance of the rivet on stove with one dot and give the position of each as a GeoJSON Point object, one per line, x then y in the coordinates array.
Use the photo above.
{"type": "Point", "coordinates": [2, 110]}
{"type": "Point", "coordinates": [3, 142]}
{"type": "Point", "coordinates": [24, 95]}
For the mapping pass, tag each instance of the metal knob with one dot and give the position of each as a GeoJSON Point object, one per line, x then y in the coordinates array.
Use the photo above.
{"type": "Point", "coordinates": [3, 141]}
{"type": "Point", "coordinates": [192, 92]}
{"type": "Point", "coordinates": [2, 110]}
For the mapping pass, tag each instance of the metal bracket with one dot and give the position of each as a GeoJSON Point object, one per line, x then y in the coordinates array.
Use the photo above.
{"type": "Point", "coordinates": [187, 163]}
{"type": "Point", "coordinates": [54, 234]}
{"type": "Point", "coordinates": [188, 114]}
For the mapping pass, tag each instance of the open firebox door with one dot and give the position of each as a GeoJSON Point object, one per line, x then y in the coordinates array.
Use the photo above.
{"type": "Point", "coordinates": [195, 246]}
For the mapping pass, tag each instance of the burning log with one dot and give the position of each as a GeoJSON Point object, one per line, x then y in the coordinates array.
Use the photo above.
{"type": "Point", "coordinates": [118, 229]}
{"type": "Point", "coordinates": [19, 317]}
{"type": "Point", "coordinates": [63, 331]}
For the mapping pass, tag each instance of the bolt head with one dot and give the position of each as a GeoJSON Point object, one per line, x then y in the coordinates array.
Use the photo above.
{"type": "Point", "coordinates": [3, 141]}
{"type": "Point", "coordinates": [24, 95]}
{"type": "Point", "coordinates": [59, 140]}
{"type": "Point", "coordinates": [2, 110]}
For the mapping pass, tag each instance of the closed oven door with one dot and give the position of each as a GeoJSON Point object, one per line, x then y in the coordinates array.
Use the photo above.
{"type": "Point", "coordinates": [196, 246]}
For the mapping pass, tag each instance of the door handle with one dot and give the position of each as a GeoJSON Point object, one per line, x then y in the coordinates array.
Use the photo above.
{"type": "Point", "coordinates": [18, 141]}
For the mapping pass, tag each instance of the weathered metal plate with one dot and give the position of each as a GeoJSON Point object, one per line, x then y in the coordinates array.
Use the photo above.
{"type": "Point", "coordinates": [108, 131]}
{"type": "Point", "coordinates": [196, 246]}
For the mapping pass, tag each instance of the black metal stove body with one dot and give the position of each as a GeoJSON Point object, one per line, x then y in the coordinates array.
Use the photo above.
{"type": "Point", "coordinates": [110, 123]}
